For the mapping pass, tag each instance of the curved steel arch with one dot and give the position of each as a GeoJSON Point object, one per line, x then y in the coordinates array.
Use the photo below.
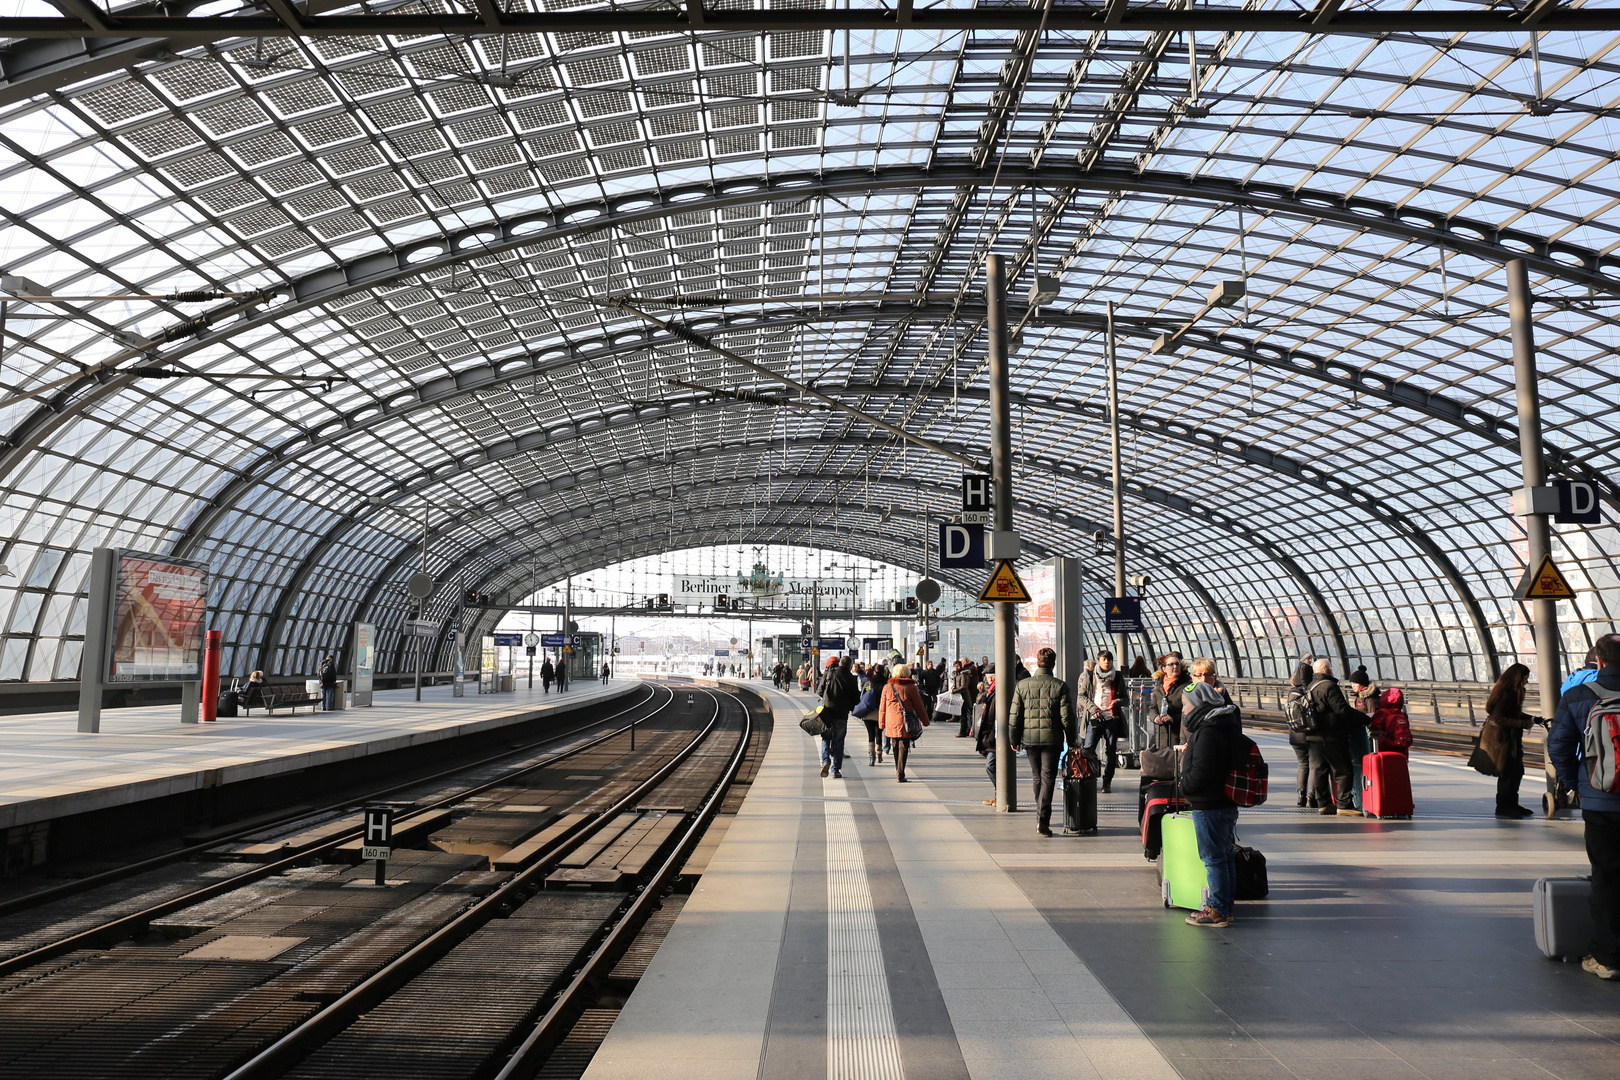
{"type": "Point", "coordinates": [1095, 477]}
{"type": "Point", "coordinates": [1167, 427]}
{"type": "Point", "coordinates": [1069, 520]}
{"type": "Point", "coordinates": [582, 562]}
{"type": "Point", "coordinates": [436, 392]}
{"type": "Point", "coordinates": [1576, 264]}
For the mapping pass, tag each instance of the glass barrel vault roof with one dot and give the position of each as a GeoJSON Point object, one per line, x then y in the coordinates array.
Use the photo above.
{"type": "Point", "coordinates": [431, 235]}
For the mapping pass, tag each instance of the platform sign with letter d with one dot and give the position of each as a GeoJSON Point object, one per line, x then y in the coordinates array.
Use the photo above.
{"type": "Point", "coordinates": [961, 547]}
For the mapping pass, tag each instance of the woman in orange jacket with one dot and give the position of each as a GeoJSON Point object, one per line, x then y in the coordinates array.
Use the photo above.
{"type": "Point", "coordinates": [901, 696]}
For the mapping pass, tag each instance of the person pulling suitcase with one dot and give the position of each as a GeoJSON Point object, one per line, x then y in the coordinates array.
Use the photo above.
{"type": "Point", "coordinates": [1042, 721]}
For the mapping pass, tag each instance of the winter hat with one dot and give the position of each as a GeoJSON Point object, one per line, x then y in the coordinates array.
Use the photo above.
{"type": "Point", "coordinates": [1360, 676]}
{"type": "Point", "coordinates": [1204, 694]}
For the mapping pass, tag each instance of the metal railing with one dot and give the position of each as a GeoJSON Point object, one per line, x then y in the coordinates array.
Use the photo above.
{"type": "Point", "coordinates": [1429, 702]}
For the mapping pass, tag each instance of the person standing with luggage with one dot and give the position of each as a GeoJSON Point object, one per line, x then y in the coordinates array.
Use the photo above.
{"type": "Point", "coordinates": [1577, 758]}
{"type": "Point", "coordinates": [1168, 695]}
{"type": "Point", "coordinates": [327, 673]}
{"type": "Point", "coordinates": [1214, 729]}
{"type": "Point", "coordinates": [1307, 795]}
{"type": "Point", "coordinates": [1329, 740]}
{"type": "Point", "coordinates": [966, 683]}
{"type": "Point", "coordinates": [839, 694]}
{"type": "Point", "coordinates": [1502, 738]}
{"type": "Point", "coordinates": [1041, 722]}
{"type": "Point", "coordinates": [1102, 696]}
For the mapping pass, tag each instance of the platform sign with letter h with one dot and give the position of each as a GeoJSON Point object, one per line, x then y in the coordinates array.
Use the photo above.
{"type": "Point", "coordinates": [975, 491]}
{"type": "Point", "coordinates": [377, 838]}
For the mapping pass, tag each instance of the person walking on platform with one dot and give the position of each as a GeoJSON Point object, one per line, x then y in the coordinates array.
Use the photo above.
{"type": "Point", "coordinates": [1214, 728]}
{"type": "Point", "coordinates": [902, 715]}
{"type": "Point", "coordinates": [966, 683]}
{"type": "Point", "coordinates": [1330, 740]}
{"type": "Point", "coordinates": [1573, 756]}
{"type": "Point", "coordinates": [1102, 698]}
{"type": "Point", "coordinates": [1502, 738]}
{"type": "Point", "coordinates": [1168, 695]}
{"type": "Point", "coordinates": [866, 711]}
{"type": "Point", "coordinates": [984, 732]}
{"type": "Point", "coordinates": [839, 694]}
{"type": "Point", "coordinates": [1041, 722]}
{"type": "Point", "coordinates": [562, 673]}
{"type": "Point", "coordinates": [327, 673]}
{"type": "Point", "coordinates": [606, 672]}
{"type": "Point", "coordinates": [547, 673]}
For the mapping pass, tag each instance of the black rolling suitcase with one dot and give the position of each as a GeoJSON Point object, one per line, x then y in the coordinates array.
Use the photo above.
{"type": "Point", "coordinates": [226, 706]}
{"type": "Point", "coordinates": [1077, 772]}
{"type": "Point", "coordinates": [1079, 805]}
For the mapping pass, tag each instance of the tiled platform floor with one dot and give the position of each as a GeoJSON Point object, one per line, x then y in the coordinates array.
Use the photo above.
{"type": "Point", "coordinates": [958, 943]}
{"type": "Point", "coordinates": [48, 769]}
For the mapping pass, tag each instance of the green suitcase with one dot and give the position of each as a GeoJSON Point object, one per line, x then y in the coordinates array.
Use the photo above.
{"type": "Point", "coordinates": [1183, 882]}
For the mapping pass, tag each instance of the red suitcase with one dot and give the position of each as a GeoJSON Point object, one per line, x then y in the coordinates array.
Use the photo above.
{"type": "Point", "coordinates": [1152, 829]}
{"type": "Point", "coordinates": [1386, 785]}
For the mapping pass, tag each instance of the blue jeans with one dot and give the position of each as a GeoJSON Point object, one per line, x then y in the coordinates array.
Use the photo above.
{"type": "Point", "coordinates": [832, 743]}
{"type": "Point", "coordinates": [1217, 834]}
{"type": "Point", "coordinates": [328, 697]}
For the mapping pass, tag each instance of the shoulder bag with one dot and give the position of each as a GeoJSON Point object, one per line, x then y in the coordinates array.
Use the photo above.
{"type": "Point", "coordinates": [1159, 762]}
{"type": "Point", "coordinates": [812, 723]}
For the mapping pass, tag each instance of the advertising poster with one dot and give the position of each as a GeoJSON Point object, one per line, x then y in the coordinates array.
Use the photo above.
{"type": "Point", "coordinates": [160, 608]}
{"type": "Point", "coordinates": [365, 663]}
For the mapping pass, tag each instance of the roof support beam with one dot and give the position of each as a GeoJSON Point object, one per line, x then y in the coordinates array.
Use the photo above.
{"type": "Point", "coordinates": [195, 30]}
{"type": "Point", "coordinates": [1584, 266]}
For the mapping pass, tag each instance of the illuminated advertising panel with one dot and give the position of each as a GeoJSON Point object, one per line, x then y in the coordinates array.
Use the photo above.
{"type": "Point", "coordinates": [159, 614]}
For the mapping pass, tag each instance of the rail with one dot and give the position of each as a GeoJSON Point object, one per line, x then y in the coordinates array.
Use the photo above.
{"type": "Point", "coordinates": [115, 929]}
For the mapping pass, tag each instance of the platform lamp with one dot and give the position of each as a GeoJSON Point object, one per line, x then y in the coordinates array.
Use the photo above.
{"type": "Point", "coordinates": [420, 584]}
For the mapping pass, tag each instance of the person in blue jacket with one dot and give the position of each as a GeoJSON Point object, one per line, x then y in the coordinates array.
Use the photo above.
{"type": "Point", "coordinates": [1599, 809]}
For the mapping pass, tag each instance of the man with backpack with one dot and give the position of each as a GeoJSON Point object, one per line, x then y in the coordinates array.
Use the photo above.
{"type": "Point", "coordinates": [1584, 745]}
{"type": "Point", "coordinates": [1328, 737]}
{"type": "Point", "coordinates": [1215, 745]}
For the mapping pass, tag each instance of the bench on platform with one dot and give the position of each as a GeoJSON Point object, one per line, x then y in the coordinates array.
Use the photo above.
{"type": "Point", "coordinates": [271, 698]}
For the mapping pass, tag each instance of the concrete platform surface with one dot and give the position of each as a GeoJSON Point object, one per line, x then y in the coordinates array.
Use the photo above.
{"type": "Point", "coordinates": [869, 929]}
{"type": "Point", "coordinates": [48, 769]}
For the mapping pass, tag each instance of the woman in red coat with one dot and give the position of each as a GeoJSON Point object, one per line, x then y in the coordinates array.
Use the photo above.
{"type": "Point", "coordinates": [901, 695]}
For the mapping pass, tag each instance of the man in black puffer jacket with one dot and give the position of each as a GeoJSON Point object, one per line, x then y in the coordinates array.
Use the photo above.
{"type": "Point", "coordinates": [1214, 730]}
{"type": "Point", "coordinates": [1329, 742]}
{"type": "Point", "coordinates": [840, 692]}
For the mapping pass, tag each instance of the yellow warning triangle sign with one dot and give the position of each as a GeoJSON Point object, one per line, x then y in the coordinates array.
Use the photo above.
{"type": "Point", "coordinates": [1004, 586]}
{"type": "Point", "coordinates": [1544, 582]}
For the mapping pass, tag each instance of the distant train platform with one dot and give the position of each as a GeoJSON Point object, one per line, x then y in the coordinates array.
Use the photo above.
{"type": "Point", "coordinates": [50, 770]}
{"type": "Point", "coordinates": [861, 927]}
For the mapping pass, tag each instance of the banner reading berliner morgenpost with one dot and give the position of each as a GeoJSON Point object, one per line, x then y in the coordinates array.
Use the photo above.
{"type": "Point", "coordinates": [783, 592]}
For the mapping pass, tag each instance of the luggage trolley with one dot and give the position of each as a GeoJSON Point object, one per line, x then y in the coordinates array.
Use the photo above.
{"type": "Point", "coordinates": [1139, 693]}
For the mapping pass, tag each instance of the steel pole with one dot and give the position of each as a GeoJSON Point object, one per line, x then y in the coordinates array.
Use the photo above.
{"type": "Point", "coordinates": [1001, 477]}
{"type": "Point", "coordinates": [568, 630]}
{"type": "Point", "coordinates": [421, 606]}
{"type": "Point", "coordinates": [1119, 482]}
{"type": "Point", "coordinates": [1536, 527]}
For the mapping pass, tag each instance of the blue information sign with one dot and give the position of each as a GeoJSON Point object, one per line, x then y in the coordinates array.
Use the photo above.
{"type": "Point", "coordinates": [961, 547]}
{"type": "Point", "coordinates": [553, 641]}
{"type": "Point", "coordinates": [1123, 614]}
{"type": "Point", "coordinates": [508, 640]}
{"type": "Point", "coordinates": [832, 644]}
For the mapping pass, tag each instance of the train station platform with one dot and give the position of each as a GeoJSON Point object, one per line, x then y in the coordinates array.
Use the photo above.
{"type": "Point", "coordinates": [868, 929]}
{"type": "Point", "coordinates": [49, 770]}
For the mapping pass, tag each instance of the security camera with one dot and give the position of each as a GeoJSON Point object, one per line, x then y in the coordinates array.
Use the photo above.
{"type": "Point", "coordinates": [1141, 581]}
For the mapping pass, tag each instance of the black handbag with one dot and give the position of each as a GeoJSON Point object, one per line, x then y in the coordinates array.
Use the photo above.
{"type": "Point", "coordinates": [1159, 762]}
{"type": "Point", "coordinates": [1481, 762]}
{"type": "Point", "coordinates": [813, 725]}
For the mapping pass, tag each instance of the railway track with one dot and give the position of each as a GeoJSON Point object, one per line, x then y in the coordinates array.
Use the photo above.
{"type": "Point", "coordinates": [485, 954]}
{"type": "Point", "coordinates": [329, 828]}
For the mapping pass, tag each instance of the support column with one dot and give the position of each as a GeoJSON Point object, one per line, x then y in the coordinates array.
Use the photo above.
{"type": "Point", "coordinates": [190, 701]}
{"type": "Point", "coordinates": [1071, 645]}
{"type": "Point", "coordinates": [1536, 526]}
{"type": "Point", "coordinates": [97, 624]}
{"type": "Point", "coordinates": [1001, 478]}
{"type": "Point", "coordinates": [213, 649]}
{"type": "Point", "coordinates": [1121, 647]}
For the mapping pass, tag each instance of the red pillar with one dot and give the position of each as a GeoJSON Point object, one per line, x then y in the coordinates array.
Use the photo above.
{"type": "Point", "coordinates": [210, 680]}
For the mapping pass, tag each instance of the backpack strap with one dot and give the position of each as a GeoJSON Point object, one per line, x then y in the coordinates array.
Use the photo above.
{"type": "Point", "coordinates": [1604, 694]}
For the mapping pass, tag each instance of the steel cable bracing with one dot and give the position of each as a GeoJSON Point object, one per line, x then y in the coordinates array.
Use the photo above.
{"type": "Point", "coordinates": [440, 221]}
